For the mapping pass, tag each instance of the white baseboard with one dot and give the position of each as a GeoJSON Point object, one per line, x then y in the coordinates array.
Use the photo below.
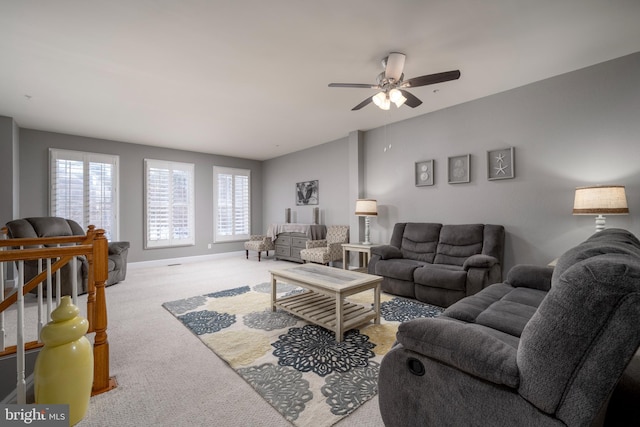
{"type": "Point", "coordinates": [183, 260]}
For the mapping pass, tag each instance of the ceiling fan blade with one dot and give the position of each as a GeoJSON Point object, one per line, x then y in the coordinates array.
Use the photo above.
{"type": "Point", "coordinates": [356, 85]}
{"type": "Point", "coordinates": [363, 104]}
{"type": "Point", "coordinates": [430, 79]}
{"type": "Point", "coordinates": [395, 65]}
{"type": "Point", "coordinates": [411, 101]}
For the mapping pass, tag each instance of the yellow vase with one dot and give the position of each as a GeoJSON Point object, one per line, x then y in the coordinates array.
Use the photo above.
{"type": "Point", "coordinates": [64, 368]}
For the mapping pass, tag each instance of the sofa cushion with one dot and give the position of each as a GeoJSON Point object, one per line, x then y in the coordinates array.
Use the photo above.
{"type": "Point", "coordinates": [506, 316]}
{"type": "Point", "coordinates": [420, 240]}
{"type": "Point", "coordinates": [444, 278]}
{"type": "Point", "coordinates": [54, 227]}
{"type": "Point", "coordinates": [398, 268]}
{"type": "Point", "coordinates": [612, 241]}
{"type": "Point", "coordinates": [459, 242]}
{"type": "Point", "coordinates": [469, 308]}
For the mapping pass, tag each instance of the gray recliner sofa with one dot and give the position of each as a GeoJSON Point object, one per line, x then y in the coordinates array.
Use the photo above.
{"type": "Point", "coordinates": [545, 348]}
{"type": "Point", "coordinates": [55, 226]}
{"type": "Point", "coordinates": [439, 264]}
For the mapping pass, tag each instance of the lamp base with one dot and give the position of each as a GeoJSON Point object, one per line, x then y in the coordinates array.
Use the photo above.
{"type": "Point", "coordinates": [600, 221]}
{"type": "Point", "coordinates": [367, 221]}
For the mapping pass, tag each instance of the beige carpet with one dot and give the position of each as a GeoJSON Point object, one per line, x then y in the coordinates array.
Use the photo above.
{"type": "Point", "coordinates": [166, 376]}
{"type": "Point", "coordinates": [298, 367]}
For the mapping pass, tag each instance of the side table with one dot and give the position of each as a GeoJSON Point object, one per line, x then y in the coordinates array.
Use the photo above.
{"type": "Point", "coordinates": [363, 250]}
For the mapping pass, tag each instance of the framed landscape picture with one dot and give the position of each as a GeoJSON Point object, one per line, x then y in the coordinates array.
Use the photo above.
{"type": "Point", "coordinates": [500, 164]}
{"type": "Point", "coordinates": [424, 173]}
{"type": "Point", "coordinates": [307, 193]}
{"type": "Point", "coordinates": [459, 169]}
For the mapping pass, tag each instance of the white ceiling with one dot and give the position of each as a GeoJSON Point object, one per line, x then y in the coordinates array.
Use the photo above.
{"type": "Point", "coordinates": [248, 78]}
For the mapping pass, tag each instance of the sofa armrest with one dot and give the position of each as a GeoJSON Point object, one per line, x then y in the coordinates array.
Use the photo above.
{"type": "Point", "coordinates": [530, 276]}
{"type": "Point", "coordinates": [386, 252]}
{"type": "Point", "coordinates": [479, 261]}
{"type": "Point", "coordinates": [116, 248]}
{"type": "Point", "coordinates": [463, 346]}
{"type": "Point", "coordinates": [310, 244]}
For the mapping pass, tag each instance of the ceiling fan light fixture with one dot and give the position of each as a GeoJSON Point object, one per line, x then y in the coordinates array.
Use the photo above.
{"type": "Point", "coordinates": [381, 99]}
{"type": "Point", "coordinates": [396, 97]}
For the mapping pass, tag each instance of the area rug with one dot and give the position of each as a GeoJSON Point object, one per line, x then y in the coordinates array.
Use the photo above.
{"type": "Point", "coordinates": [297, 367]}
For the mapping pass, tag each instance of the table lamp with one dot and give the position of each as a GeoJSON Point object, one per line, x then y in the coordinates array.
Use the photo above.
{"type": "Point", "coordinates": [599, 200]}
{"type": "Point", "coordinates": [366, 208]}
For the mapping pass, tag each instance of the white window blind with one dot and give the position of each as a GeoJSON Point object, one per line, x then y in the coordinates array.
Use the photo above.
{"type": "Point", "coordinates": [84, 188]}
{"type": "Point", "coordinates": [169, 203]}
{"type": "Point", "coordinates": [232, 204]}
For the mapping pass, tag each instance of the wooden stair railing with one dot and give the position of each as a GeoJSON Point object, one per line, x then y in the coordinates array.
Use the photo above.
{"type": "Point", "coordinates": [94, 247]}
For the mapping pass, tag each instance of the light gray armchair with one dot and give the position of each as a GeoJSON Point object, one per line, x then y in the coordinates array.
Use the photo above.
{"type": "Point", "coordinates": [259, 243]}
{"type": "Point", "coordinates": [328, 249]}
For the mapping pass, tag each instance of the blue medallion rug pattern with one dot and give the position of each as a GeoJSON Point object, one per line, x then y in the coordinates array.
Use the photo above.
{"type": "Point", "coordinates": [297, 367]}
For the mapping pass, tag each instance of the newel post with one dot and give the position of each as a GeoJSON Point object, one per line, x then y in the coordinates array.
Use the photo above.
{"type": "Point", "coordinates": [101, 380]}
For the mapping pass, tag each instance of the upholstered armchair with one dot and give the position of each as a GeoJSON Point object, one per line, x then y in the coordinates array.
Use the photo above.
{"type": "Point", "coordinates": [259, 243]}
{"type": "Point", "coordinates": [328, 249]}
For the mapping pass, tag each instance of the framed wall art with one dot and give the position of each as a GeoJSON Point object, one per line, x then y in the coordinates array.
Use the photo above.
{"type": "Point", "coordinates": [500, 164]}
{"type": "Point", "coordinates": [458, 169]}
{"type": "Point", "coordinates": [424, 173]}
{"type": "Point", "coordinates": [307, 193]}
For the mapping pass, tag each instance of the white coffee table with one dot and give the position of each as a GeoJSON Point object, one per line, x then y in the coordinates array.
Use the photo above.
{"type": "Point", "coordinates": [323, 301]}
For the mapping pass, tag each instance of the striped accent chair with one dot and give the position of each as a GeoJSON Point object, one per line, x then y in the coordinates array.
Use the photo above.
{"type": "Point", "coordinates": [259, 243]}
{"type": "Point", "coordinates": [328, 249]}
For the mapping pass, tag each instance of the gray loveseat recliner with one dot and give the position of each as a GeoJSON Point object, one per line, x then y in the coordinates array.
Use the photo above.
{"type": "Point", "coordinates": [545, 348]}
{"type": "Point", "coordinates": [55, 226]}
{"type": "Point", "coordinates": [439, 264]}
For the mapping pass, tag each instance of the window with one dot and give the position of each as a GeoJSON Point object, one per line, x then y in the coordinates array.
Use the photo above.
{"type": "Point", "coordinates": [169, 204]}
{"type": "Point", "coordinates": [84, 188]}
{"type": "Point", "coordinates": [232, 204]}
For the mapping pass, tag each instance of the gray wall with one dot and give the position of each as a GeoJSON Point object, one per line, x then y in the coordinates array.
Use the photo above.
{"type": "Point", "coordinates": [576, 129]}
{"type": "Point", "coordinates": [34, 157]}
{"type": "Point", "coordinates": [329, 164]}
{"type": "Point", "coordinates": [9, 190]}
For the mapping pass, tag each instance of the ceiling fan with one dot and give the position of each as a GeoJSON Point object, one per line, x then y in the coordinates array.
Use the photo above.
{"type": "Point", "coordinates": [392, 85]}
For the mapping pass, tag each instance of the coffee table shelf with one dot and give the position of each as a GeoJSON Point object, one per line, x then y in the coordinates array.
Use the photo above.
{"type": "Point", "coordinates": [321, 310]}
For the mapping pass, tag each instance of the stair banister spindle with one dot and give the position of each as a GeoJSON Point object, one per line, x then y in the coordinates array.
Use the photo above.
{"type": "Point", "coordinates": [20, 353]}
{"type": "Point", "coordinates": [74, 280]}
{"type": "Point", "coordinates": [58, 282]}
{"type": "Point", "coordinates": [49, 290]}
{"type": "Point", "coordinates": [40, 302]}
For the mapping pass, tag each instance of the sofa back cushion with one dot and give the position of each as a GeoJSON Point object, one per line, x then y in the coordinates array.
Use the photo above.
{"type": "Point", "coordinates": [459, 242]}
{"type": "Point", "coordinates": [577, 344]}
{"type": "Point", "coordinates": [49, 226]}
{"type": "Point", "coordinates": [419, 241]}
{"type": "Point", "coordinates": [610, 240]}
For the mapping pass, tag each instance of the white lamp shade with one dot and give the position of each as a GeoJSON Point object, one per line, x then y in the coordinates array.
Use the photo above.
{"type": "Point", "coordinates": [396, 97]}
{"type": "Point", "coordinates": [366, 207]}
{"type": "Point", "coordinates": [602, 199]}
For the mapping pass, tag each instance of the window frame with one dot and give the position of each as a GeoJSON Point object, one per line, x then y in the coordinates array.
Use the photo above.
{"type": "Point", "coordinates": [218, 238]}
{"type": "Point", "coordinates": [87, 158]}
{"type": "Point", "coordinates": [172, 166]}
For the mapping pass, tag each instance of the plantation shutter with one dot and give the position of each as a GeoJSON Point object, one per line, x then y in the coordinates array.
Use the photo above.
{"type": "Point", "coordinates": [232, 204]}
{"type": "Point", "coordinates": [170, 206]}
{"type": "Point", "coordinates": [83, 187]}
